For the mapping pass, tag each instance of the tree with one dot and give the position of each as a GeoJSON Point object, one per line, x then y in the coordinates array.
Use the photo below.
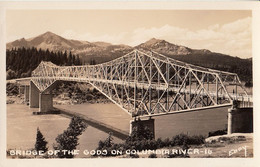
{"type": "Point", "coordinates": [108, 145]}
{"type": "Point", "coordinates": [12, 89]}
{"type": "Point", "coordinates": [109, 141]}
{"type": "Point", "coordinates": [152, 155]}
{"type": "Point", "coordinates": [140, 132]}
{"type": "Point", "coordinates": [92, 62]}
{"type": "Point", "coordinates": [68, 140]}
{"type": "Point", "coordinates": [41, 143]}
{"type": "Point", "coordinates": [73, 60]}
{"type": "Point", "coordinates": [141, 138]}
{"type": "Point", "coordinates": [77, 61]}
{"type": "Point", "coordinates": [22, 61]}
{"type": "Point", "coordinates": [10, 74]}
{"type": "Point", "coordinates": [70, 59]}
{"type": "Point", "coordinates": [249, 83]}
{"type": "Point", "coordinates": [77, 126]}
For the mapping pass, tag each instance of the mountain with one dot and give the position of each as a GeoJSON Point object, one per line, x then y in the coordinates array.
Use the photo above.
{"type": "Point", "coordinates": [98, 51]}
{"type": "Point", "coordinates": [50, 41]}
{"type": "Point", "coordinates": [164, 47]}
{"type": "Point", "coordinates": [201, 57]}
{"type": "Point", "coordinates": [103, 51]}
{"type": "Point", "coordinates": [168, 48]}
{"type": "Point", "coordinates": [18, 43]}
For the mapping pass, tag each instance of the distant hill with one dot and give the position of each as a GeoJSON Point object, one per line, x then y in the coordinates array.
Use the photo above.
{"type": "Point", "coordinates": [99, 52]}
{"type": "Point", "coordinates": [202, 57]}
{"type": "Point", "coordinates": [168, 48]}
{"type": "Point", "coordinates": [164, 47]}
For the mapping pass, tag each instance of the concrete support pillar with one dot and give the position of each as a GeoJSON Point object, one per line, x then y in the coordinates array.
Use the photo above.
{"type": "Point", "coordinates": [20, 90]}
{"type": "Point", "coordinates": [230, 122]}
{"type": "Point", "coordinates": [46, 102]}
{"type": "Point", "coordinates": [240, 120]}
{"type": "Point", "coordinates": [33, 96]}
{"type": "Point", "coordinates": [26, 93]}
{"type": "Point", "coordinates": [145, 123]}
{"type": "Point", "coordinates": [231, 111]}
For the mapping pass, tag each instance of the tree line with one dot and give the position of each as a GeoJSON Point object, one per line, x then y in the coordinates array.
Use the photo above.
{"type": "Point", "coordinates": [20, 62]}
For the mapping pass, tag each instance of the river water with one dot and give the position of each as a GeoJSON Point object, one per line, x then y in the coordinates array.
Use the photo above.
{"type": "Point", "coordinates": [198, 122]}
{"type": "Point", "coordinates": [22, 125]}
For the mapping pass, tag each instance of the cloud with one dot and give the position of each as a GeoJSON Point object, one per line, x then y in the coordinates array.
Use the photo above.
{"type": "Point", "coordinates": [237, 26]}
{"type": "Point", "coordinates": [113, 38]}
{"type": "Point", "coordinates": [233, 38]}
{"type": "Point", "coordinates": [166, 32]}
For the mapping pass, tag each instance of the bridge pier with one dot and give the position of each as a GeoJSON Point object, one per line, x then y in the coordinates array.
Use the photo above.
{"type": "Point", "coordinates": [46, 99]}
{"type": "Point", "coordinates": [143, 123]}
{"type": "Point", "coordinates": [240, 120]}
{"type": "Point", "coordinates": [26, 93]}
{"type": "Point", "coordinates": [46, 102]}
{"type": "Point", "coordinates": [34, 93]}
{"type": "Point", "coordinates": [42, 100]}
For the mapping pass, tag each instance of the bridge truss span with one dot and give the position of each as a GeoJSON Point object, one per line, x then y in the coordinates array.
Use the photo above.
{"type": "Point", "coordinates": [150, 84]}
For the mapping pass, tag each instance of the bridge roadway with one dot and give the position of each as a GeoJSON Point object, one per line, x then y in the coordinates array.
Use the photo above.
{"type": "Point", "coordinates": [140, 85]}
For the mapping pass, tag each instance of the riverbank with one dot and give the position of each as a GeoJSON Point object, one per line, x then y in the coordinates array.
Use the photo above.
{"type": "Point", "coordinates": [68, 93]}
{"type": "Point", "coordinates": [237, 145]}
{"type": "Point", "coordinates": [15, 99]}
{"type": "Point", "coordinates": [58, 100]}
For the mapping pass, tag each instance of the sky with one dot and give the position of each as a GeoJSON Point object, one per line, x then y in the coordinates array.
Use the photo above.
{"type": "Point", "coordinates": [224, 31]}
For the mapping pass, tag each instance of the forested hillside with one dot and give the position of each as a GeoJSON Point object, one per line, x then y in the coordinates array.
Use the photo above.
{"type": "Point", "coordinates": [202, 57]}
{"type": "Point", "coordinates": [21, 62]}
{"type": "Point", "coordinates": [242, 67]}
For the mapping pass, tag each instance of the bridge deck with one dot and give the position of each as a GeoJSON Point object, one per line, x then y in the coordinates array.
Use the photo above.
{"type": "Point", "coordinates": [25, 81]}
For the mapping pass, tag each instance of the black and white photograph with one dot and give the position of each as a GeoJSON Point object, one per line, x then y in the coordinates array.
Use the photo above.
{"type": "Point", "coordinates": [129, 83]}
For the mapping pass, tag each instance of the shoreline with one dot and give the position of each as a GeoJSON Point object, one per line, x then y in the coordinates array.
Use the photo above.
{"type": "Point", "coordinates": [57, 101]}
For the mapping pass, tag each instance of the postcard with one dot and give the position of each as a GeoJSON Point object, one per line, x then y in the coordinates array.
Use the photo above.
{"type": "Point", "coordinates": [125, 83]}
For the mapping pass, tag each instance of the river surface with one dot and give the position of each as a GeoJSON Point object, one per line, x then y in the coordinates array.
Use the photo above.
{"type": "Point", "coordinates": [22, 125]}
{"type": "Point", "coordinates": [192, 123]}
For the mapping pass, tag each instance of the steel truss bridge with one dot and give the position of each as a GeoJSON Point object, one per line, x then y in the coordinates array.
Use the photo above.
{"type": "Point", "coordinates": [150, 84]}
